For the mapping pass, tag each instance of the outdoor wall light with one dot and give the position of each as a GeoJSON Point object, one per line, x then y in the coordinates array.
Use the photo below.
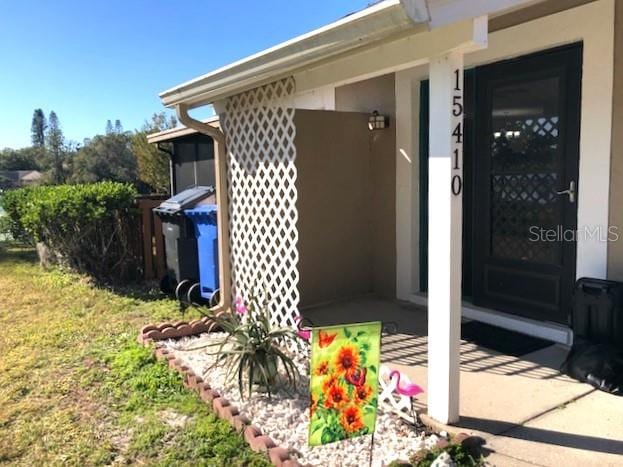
{"type": "Point", "coordinates": [377, 121]}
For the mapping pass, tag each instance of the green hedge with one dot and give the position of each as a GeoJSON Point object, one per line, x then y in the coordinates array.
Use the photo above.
{"type": "Point", "coordinates": [12, 202]}
{"type": "Point", "coordinates": [91, 228]}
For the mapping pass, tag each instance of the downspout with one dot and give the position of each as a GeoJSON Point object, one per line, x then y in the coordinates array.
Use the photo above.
{"type": "Point", "coordinates": [220, 155]}
{"type": "Point", "coordinates": [171, 178]}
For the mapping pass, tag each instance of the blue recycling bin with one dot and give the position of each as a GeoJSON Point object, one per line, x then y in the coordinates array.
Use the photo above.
{"type": "Point", "coordinates": [204, 219]}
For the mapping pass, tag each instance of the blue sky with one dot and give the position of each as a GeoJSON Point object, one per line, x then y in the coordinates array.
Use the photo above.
{"type": "Point", "coordinates": [96, 60]}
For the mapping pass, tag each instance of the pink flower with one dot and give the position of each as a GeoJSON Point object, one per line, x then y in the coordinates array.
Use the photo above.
{"type": "Point", "coordinates": [240, 307]}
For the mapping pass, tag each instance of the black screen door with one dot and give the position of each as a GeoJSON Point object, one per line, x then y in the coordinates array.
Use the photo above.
{"type": "Point", "coordinates": [525, 154]}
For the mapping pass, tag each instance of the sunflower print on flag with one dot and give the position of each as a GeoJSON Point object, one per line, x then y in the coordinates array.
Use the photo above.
{"type": "Point", "coordinates": [344, 381]}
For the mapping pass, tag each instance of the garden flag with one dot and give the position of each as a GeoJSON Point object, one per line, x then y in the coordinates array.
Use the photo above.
{"type": "Point", "coordinates": [344, 381]}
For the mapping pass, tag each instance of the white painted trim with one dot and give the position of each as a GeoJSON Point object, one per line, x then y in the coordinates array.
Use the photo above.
{"type": "Point", "coordinates": [389, 57]}
{"type": "Point", "coordinates": [380, 23]}
{"type": "Point", "coordinates": [544, 330]}
{"type": "Point", "coordinates": [445, 239]}
{"type": "Point", "coordinates": [407, 182]}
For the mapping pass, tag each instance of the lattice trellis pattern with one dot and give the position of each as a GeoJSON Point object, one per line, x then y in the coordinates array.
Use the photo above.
{"type": "Point", "coordinates": [519, 202]}
{"type": "Point", "coordinates": [525, 156]}
{"type": "Point", "coordinates": [260, 130]}
{"type": "Point", "coordinates": [526, 145]}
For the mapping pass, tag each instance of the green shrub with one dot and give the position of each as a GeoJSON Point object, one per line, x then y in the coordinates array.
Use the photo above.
{"type": "Point", "coordinates": [13, 202]}
{"type": "Point", "coordinates": [251, 347]}
{"type": "Point", "coordinates": [5, 228]}
{"type": "Point", "coordinates": [91, 228]}
{"type": "Point", "coordinates": [461, 456]}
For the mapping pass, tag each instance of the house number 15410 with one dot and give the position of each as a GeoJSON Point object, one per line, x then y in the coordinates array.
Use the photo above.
{"type": "Point", "coordinates": [457, 134]}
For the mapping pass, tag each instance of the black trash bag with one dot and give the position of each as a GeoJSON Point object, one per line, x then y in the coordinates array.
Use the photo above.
{"type": "Point", "coordinates": [599, 365]}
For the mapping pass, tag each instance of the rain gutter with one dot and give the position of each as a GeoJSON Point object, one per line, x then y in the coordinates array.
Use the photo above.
{"type": "Point", "coordinates": [383, 21]}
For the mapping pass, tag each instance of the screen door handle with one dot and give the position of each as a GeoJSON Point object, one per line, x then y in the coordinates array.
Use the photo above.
{"type": "Point", "coordinates": [570, 191]}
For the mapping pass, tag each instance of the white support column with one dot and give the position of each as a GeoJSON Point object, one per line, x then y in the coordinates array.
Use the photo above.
{"type": "Point", "coordinates": [445, 182]}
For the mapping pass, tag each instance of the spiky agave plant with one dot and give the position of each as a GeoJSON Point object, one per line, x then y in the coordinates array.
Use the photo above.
{"type": "Point", "coordinates": [253, 348]}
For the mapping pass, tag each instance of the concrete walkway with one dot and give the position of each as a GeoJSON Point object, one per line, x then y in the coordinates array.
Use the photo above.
{"type": "Point", "coordinates": [526, 411]}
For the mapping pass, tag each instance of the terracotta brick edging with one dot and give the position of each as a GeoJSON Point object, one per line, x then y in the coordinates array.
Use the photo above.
{"type": "Point", "coordinates": [150, 334]}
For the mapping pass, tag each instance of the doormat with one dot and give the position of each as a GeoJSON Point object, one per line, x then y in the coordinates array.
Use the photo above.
{"type": "Point", "coordinates": [501, 340]}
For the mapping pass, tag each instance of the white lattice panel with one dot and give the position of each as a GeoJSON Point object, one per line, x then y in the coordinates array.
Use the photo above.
{"type": "Point", "coordinates": [260, 130]}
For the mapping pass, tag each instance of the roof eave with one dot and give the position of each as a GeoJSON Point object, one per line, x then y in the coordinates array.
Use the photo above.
{"type": "Point", "coordinates": [381, 21]}
{"type": "Point", "coordinates": [171, 134]}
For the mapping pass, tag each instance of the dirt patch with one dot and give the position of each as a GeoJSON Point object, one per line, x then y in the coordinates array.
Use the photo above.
{"type": "Point", "coordinates": [174, 419]}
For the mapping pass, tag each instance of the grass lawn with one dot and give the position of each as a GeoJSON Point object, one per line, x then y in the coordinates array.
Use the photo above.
{"type": "Point", "coordinates": [76, 388]}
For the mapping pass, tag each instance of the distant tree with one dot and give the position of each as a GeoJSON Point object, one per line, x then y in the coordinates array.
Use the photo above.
{"type": "Point", "coordinates": [153, 164]}
{"type": "Point", "coordinates": [19, 159]}
{"type": "Point", "coordinates": [70, 149]}
{"type": "Point", "coordinates": [5, 184]}
{"type": "Point", "coordinates": [118, 127]}
{"type": "Point", "coordinates": [55, 142]}
{"type": "Point", "coordinates": [105, 157]}
{"type": "Point", "coordinates": [37, 128]}
{"type": "Point", "coordinates": [109, 128]}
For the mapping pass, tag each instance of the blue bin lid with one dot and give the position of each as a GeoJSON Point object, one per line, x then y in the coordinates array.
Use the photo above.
{"type": "Point", "coordinates": [204, 210]}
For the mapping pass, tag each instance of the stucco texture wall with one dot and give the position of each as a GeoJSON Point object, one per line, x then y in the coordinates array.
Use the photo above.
{"type": "Point", "coordinates": [615, 249]}
{"type": "Point", "coordinates": [344, 222]}
{"type": "Point", "coordinates": [367, 96]}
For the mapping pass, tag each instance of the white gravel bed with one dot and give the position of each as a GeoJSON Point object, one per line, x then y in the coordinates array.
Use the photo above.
{"type": "Point", "coordinates": [285, 417]}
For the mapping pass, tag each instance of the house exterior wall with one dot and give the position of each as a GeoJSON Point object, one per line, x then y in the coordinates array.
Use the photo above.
{"type": "Point", "coordinates": [615, 248]}
{"type": "Point", "coordinates": [316, 99]}
{"type": "Point", "coordinates": [539, 27]}
{"type": "Point", "coordinates": [367, 96]}
{"type": "Point", "coordinates": [341, 234]}
{"type": "Point", "coordinates": [592, 23]}
{"type": "Point", "coordinates": [533, 12]}
{"type": "Point", "coordinates": [402, 65]}
{"type": "Point", "coordinates": [383, 185]}
{"type": "Point", "coordinates": [333, 163]}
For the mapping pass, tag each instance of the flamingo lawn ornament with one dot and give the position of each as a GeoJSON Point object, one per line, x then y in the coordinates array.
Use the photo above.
{"type": "Point", "coordinates": [408, 389]}
{"type": "Point", "coordinates": [303, 333]}
{"type": "Point", "coordinates": [398, 392]}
